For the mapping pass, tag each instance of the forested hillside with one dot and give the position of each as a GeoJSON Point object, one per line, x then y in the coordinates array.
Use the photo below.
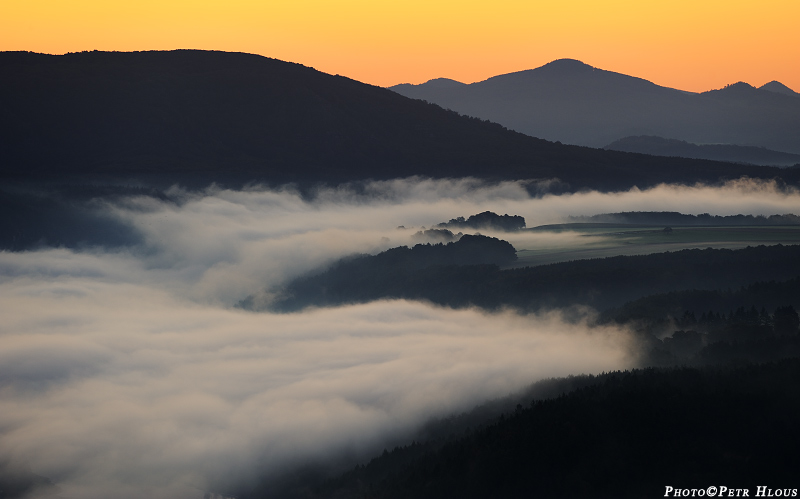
{"type": "Point", "coordinates": [599, 283]}
{"type": "Point", "coordinates": [625, 434]}
{"type": "Point", "coordinates": [194, 117]}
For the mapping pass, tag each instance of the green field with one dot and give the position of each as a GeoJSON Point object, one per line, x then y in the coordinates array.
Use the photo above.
{"type": "Point", "coordinates": [565, 242]}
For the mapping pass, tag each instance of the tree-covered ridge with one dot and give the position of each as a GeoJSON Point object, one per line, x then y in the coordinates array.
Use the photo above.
{"type": "Point", "coordinates": [195, 117]}
{"type": "Point", "coordinates": [756, 323]}
{"type": "Point", "coordinates": [599, 283]}
{"type": "Point", "coordinates": [486, 220]}
{"type": "Point", "coordinates": [628, 435]}
{"type": "Point", "coordinates": [648, 144]}
{"type": "Point", "coordinates": [675, 218]}
{"type": "Point", "coordinates": [698, 308]}
{"type": "Point", "coordinates": [393, 272]}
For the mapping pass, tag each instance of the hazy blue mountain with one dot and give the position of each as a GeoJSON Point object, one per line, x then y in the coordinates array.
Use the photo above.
{"type": "Point", "coordinates": [572, 102]}
{"type": "Point", "coordinates": [198, 116]}
{"type": "Point", "coordinates": [435, 83]}
{"type": "Point", "coordinates": [659, 146]}
{"type": "Point", "coordinates": [778, 87]}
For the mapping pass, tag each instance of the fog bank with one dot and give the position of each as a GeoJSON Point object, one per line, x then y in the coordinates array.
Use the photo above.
{"type": "Point", "coordinates": [220, 246]}
{"type": "Point", "coordinates": [118, 389]}
{"type": "Point", "coordinates": [128, 372]}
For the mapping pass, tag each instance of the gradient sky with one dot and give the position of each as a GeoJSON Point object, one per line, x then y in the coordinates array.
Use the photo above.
{"type": "Point", "coordinates": [692, 45]}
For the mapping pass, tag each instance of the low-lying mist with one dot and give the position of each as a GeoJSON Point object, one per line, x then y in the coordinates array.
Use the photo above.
{"type": "Point", "coordinates": [113, 389]}
{"type": "Point", "coordinates": [222, 245]}
{"type": "Point", "coordinates": [127, 372]}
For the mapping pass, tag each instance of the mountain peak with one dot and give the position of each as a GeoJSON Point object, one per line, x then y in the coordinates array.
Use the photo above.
{"type": "Point", "coordinates": [739, 85]}
{"type": "Point", "coordinates": [567, 65]}
{"type": "Point", "coordinates": [739, 89]}
{"type": "Point", "coordinates": [777, 87]}
{"type": "Point", "coordinates": [443, 83]}
{"type": "Point", "coordinates": [435, 84]}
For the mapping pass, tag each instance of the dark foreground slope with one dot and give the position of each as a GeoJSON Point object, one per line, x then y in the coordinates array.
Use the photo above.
{"type": "Point", "coordinates": [631, 435]}
{"type": "Point", "coordinates": [195, 116]}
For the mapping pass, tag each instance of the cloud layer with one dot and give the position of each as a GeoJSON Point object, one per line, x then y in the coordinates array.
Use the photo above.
{"type": "Point", "coordinates": [127, 373]}
{"type": "Point", "coordinates": [223, 245]}
{"type": "Point", "coordinates": [114, 387]}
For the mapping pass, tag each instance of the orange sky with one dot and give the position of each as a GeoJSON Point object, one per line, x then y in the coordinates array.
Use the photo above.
{"type": "Point", "coordinates": [692, 45]}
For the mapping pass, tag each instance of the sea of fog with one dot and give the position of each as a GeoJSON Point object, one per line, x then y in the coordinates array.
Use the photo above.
{"type": "Point", "coordinates": [130, 372]}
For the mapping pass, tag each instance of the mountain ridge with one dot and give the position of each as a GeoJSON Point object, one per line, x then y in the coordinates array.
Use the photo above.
{"type": "Point", "coordinates": [203, 116]}
{"type": "Point", "coordinates": [571, 102]}
{"type": "Point", "coordinates": [659, 146]}
{"type": "Point", "coordinates": [778, 87]}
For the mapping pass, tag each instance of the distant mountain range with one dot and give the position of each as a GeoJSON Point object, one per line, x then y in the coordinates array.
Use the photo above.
{"type": "Point", "coordinates": [647, 144]}
{"type": "Point", "coordinates": [197, 116]}
{"type": "Point", "coordinates": [572, 102]}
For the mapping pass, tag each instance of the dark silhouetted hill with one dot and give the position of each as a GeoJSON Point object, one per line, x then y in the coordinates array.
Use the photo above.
{"type": "Point", "coordinates": [443, 83]}
{"type": "Point", "coordinates": [625, 434]}
{"type": "Point", "coordinates": [574, 103]}
{"type": "Point", "coordinates": [658, 146]}
{"type": "Point", "coordinates": [702, 304]}
{"type": "Point", "coordinates": [197, 116]}
{"type": "Point", "coordinates": [486, 220]}
{"type": "Point", "coordinates": [599, 283]}
{"type": "Point", "coordinates": [678, 219]}
{"type": "Point", "coordinates": [396, 272]}
{"type": "Point", "coordinates": [778, 87]}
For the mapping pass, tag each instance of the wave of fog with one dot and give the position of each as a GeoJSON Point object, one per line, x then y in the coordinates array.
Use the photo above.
{"type": "Point", "coordinates": [121, 389]}
{"type": "Point", "coordinates": [127, 373]}
{"type": "Point", "coordinates": [742, 196]}
{"type": "Point", "coordinates": [222, 245]}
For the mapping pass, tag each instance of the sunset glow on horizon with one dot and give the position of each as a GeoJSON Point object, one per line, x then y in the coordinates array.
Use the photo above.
{"type": "Point", "coordinates": [693, 46]}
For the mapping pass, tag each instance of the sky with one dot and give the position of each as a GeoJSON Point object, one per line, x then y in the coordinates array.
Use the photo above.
{"type": "Point", "coordinates": [690, 45]}
{"type": "Point", "coordinates": [127, 372]}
